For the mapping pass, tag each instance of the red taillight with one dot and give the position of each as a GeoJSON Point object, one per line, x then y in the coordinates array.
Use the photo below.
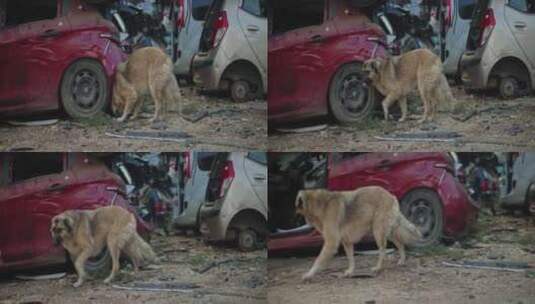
{"type": "Point", "coordinates": [219, 29]}
{"type": "Point", "coordinates": [186, 169]}
{"type": "Point", "coordinates": [226, 177]}
{"type": "Point", "coordinates": [181, 17]}
{"type": "Point", "coordinates": [488, 22]}
{"type": "Point", "coordinates": [448, 17]}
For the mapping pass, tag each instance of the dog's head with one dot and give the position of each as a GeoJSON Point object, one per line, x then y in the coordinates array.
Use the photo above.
{"type": "Point", "coordinates": [62, 227]}
{"type": "Point", "coordinates": [372, 68]}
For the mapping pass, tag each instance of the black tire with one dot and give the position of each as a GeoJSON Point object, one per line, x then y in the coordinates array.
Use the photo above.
{"type": "Point", "coordinates": [240, 91]}
{"type": "Point", "coordinates": [99, 266]}
{"type": "Point", "coordinates": [424, 209]}
{"type": "Point", "coordinates": [509, 87]}
{"type": "Point", "coordinates": [350, 98]}
{"type": "Point", "coordinates": [84, 89]}
{"type": "Point", "coordinates": [247, 240]}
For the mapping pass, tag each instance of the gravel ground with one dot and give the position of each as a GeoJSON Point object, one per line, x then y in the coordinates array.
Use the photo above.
{"type": "Point", "coordinates": [496, 125]}
{"type": "Point", "coordinates": [423, 279]}
{"type": "Point", "coordinates": [241, 278]}
{"type": "Point", "coordinates": [229, 126]}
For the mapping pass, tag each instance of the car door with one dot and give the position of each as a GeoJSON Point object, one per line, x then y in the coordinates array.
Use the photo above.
{"type": "Point", "coordinates": [31, 198]}
{"type": "Point", "coordinates": [31, 41]}
{"type": "Point", "coordinates": [252, 16]}
{"type": "Point", "coordinates": [297, 56]}
{"type": "Point", "coordinates": [350, 171]}
{"type": "Point", "coordinates": [457, 34]}
{"type": "Point", "coordinates": [520, 18]}
{"type": "Point", "coordinates": [255, 164]}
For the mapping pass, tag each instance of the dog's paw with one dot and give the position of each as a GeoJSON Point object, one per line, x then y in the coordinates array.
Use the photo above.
{"type": "Point", "coordinates": [121, 119]}
{"type": "Point", "coordinates": [348, 273]}
{"type": "Point", "coordinates": [307, 277]}
{"type": "Point", "coordinates": [77, 284]}
{"type": "Point", "coordinates": [375, 269]}
{"type": "Point", "coordinates": [107, 280]}
{"type": "Point", "coordinates": [401, 262]}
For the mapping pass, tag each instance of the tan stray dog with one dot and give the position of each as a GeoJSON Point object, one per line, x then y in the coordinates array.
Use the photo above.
{"type": "Point", "coordinates": [395, 77]}
{"type": "Point", "coordinates": [85, 233]}
{"type": "Point", "coordinates": [347, 216]}
{"type": "Point", "coordinates": [148, 71]}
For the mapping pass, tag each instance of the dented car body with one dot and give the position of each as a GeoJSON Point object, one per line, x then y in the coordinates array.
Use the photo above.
{"type": "Point", "coordinates": [430, 196]}
{"type": "Point", "coordinates": [315, 67]}
{"type": "Point", "coordinates": [56, 55]}
{"type": "Point", "coordinates": [37, 186]}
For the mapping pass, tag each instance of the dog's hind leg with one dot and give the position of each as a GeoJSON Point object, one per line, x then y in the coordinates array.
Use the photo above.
{"type": "Point", "coordinates": [401, 247]}
{"type": "Point", "coordinates": [348, 248]}
{"type": "Point", "coordinates": [115, 252]}
{"type": "Point", "coordinates": [403, 106]}
{"type": "Point", "coordinates": [379, 233]}
{"type": "Point", "coordinates": [158, 79]}
{"type": "Point", "coordinates": [425, 99]}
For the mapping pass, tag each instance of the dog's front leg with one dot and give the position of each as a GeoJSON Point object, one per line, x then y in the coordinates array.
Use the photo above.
{"type": "Point", "coordinates": [387, 102]}
{"type": "Point", "coordinates": [327, 252]}
{"type": "Point", "coordinates": [79, 265]}
{"type": "Point", "coordinates": [127, 110]}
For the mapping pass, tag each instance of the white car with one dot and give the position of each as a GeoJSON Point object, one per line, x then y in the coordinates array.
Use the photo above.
{"type": "Point", "coordinates": [190, 25]}
{"type": "Point", "coordinates": [236, 200]}
{"type": "Point", "coordinates": [233, 49]}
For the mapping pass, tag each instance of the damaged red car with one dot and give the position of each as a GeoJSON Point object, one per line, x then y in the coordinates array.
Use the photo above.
{"type": "Point", "coordinates": [430, 196]}
{"type": "Point", "coordinates": [56, 55]}
{"type": "Point", "coordinates": [34, 187]}
{"type": "Point", "coordinates": [315, 54]}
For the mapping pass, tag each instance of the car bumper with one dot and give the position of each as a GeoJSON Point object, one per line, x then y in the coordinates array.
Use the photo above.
{"type": "Point", "coordinates": [211, 226]}
{"type": "Point", "coordinates": [460, 211]}
{"type": "Point", "coordinates": [472, 73]}
{"type": "Point", "coordinates": [205, 71]}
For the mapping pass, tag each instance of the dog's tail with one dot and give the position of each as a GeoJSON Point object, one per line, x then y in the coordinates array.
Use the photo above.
{"type": "Point", "coordinates": [139, 250]}
{"type": "Point", "coordinates": [405, 231]}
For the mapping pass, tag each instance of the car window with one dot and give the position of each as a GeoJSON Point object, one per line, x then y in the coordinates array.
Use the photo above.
{"type": "Point", "coordinates": [2, 13]}
{"type": "Point", "coordinates": [521, 5]}
{"type": "Point", "coordinates": [28, 165]}
{"type": "Point", "coordinates": [205, 160]}
{"type": "Point", "coordinates": [199, 9]}
{"type": "Point", "coordinates": [20, 12]}
{"type": "Point", "coordinates": [255, 7]}
{"type": "Point", "coordinates": [466, 8]}
{"type": "Point", "coordinates": [291, 15]}
{"type": "Point", "coordinates": [259, 157]}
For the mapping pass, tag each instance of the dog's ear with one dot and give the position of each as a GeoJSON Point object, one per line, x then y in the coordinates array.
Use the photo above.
{"type": "Point", "coordinates": [68, 222]}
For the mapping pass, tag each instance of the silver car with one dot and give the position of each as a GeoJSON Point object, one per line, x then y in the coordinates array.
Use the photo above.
{"type": "Point", "coordinates": [196, 168]}
{"type": "Point", "coordinates": [236, 200]}
{"type": "Point", "coordinates": [191, 21]}
{"type": "Point", "coordinates": [500, 52]}
{"type": "Point", "coordinates": [457, 34]}
{"type": "Point", "coordinates": [519, 183]}
{"type": "Point", "coordinates": [233, 49]}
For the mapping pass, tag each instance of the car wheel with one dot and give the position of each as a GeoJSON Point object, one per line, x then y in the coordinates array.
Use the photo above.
{"type": "Point", "coordinates": [247, 240]}
{"type": "Point", "coordinates": [350, 98]}
{"type": "Point", "coordinates": [508, 87]}
{"type": "Point", "coordinates": [424, 209]}
{"type": "Point", "coordinates": [84, 89]}
{"type": "Point", "coordinates": [100, 265]}
{"type": "Point", "coordinates": [240, 91]}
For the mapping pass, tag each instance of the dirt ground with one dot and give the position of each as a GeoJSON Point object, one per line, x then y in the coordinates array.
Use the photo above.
{"type": "Point", "coordinates": [240, 279]}
{"type": "Point", "coordinates": [227, 126]}
{"type": "Point", "coordinates": [423, 279]}
{"type": "Point", "coordinates": [491, 125]}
